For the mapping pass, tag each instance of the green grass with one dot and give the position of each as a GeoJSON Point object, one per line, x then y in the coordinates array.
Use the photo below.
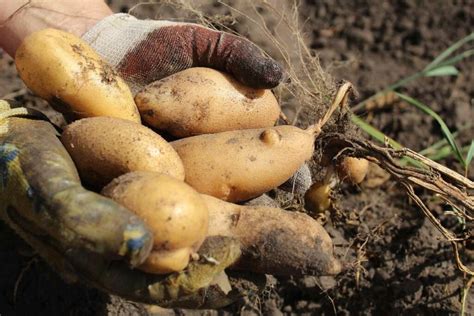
{"type": "Point", "coordinates": [443, 65]}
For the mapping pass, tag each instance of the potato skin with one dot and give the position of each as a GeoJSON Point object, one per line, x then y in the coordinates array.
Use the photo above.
{"type": "Point", "coordinates": [239, 165]}
{"type": "Point", "coordinates": [202, 101]}
{"type": "Point", "coordinates": [44, 188]}
{"type": "Point", "coordinates": [64, 70]}
{"type": "Point", "coordinates": [353, 170]}
{"type": "Point", "coordinates": [273, 241]}
{"type": "Point", "coordinates": [104, 148]}
{"type": "Point", "coordinates": [318, 197]}
{"type": "Point", "coordinates": [175, 213]}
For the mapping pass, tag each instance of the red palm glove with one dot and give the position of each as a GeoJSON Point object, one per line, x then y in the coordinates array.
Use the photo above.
{"type": "Point", "coordinates": [147, 50]}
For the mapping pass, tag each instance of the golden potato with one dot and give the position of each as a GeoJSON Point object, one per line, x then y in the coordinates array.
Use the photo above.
{"type": "Point", "coordinates": [104, 148]}
{"type": "Point", "coordinates": [203, 100]}
{"type": "Point", "coordinates": [318, 197]}
{"type": "Point", "coordinates": [175, 213]}
{"type": "Point", "coordinates": [353, 170]}
{"type": "Point", "coordinates": [62, 69]}
{"type": "Point", "coordinates": [167, 261]}
{"type": "Point", "coordinates": [239, 165]}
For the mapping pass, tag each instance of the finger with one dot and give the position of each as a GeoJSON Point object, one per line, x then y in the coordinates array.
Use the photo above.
{"type": "Point", "coordinates": [170, 49]}
{"type": "Point", "coordinates": [189, 288]}
{"type": "Point", "coordinates": [235, 55]}
{"type": "Point", "coordinates": [39, 180]}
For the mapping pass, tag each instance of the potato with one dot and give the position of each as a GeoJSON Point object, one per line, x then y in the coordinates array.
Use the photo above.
{"type": "Point", "coordinates": [104, 148]}
{"type": "Point", "coordinates": [318, 197]}
{"type": "Point", "coordinates": [41, 197]}
{"type": "Point", "coordinates": [273, 241]}
{"type": "Point", "coordinates": [175, 213]}
{"type": "Point", "coordinates": [203, 100]}
{"type": "Point", "coordinates": [239, 165]}
{"type": "Point", "coordinates": [62, 69]}
{"type": "Point", "coordinates": [353, 170]}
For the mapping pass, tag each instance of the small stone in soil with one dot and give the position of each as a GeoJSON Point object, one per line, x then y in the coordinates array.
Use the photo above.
{"type": "Point", "coordinates": [327, 282]}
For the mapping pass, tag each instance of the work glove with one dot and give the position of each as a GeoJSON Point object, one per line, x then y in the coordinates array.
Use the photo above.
{"type": "Point", "coordinates": [147, 50]}
{"type": "Point", "coordinates": [84, 235]}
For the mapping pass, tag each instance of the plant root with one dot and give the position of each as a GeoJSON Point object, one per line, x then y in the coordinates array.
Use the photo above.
{"type": "Point", "coordinates": [442, 182]}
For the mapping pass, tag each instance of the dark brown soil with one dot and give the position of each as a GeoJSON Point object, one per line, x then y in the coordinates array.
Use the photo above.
{"type": "Point", "coordinates": [395, 260]}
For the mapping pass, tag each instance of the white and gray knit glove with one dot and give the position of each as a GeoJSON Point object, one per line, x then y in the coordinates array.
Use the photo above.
{"type": "Point", "coordinates": [147, 50]}
{"type": "Point", "coordinates": [299, 182]}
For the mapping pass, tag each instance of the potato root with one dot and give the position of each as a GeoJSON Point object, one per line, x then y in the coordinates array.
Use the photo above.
{"type": "Point", "coordinates": [274, 241]}
{"type": "Point", "coordinates": [64, 70]}
{"type": "Point", "coordinates": [239, 165]}
{"type": "Point", "coordinates": [104, 148]}
{"type": "Point", "coordinates": [175, 213]}
{"type": "Point", "coordinates": [202, 101]}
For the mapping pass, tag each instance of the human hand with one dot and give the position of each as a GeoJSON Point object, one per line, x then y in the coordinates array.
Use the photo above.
{"type": "Point", "coordinates": [147, 50]}
{"type": "Point", "coordinates": [65, 236]}
{"type": "Point", "coordinates": [83, 235]}
{"type": "Point", "coordinates": [142, 50]}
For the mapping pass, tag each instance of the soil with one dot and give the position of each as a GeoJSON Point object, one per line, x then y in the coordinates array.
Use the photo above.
{"type": "Point", "coordinates": [395, 260]}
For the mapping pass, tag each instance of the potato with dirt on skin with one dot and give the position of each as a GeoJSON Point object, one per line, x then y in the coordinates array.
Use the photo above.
{"type": "Point", "coordinates": [64, 70]}
{"type": "Point", "coordinates": [239, 165]}
{"type": "Point", "coordinates": [203, 100]}
{"type": "Point", "coordinates": [273, 241]}
{"type": "Point", "coordinates": [104, 148]}
{"type": "Point", "coordinates": [175, 213]}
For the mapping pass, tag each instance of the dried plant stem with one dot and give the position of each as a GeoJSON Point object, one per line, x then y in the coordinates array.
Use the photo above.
{"type": "Point", "coordinates": [465, 295]}
{"type": "Point", "coordinates": [450, 186]}
{"type": "Point", "coordinates": [340, 100]}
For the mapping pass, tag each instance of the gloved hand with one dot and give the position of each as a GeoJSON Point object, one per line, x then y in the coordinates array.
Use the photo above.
{"type": "Point", "coordinates": [83, 235]}
{"type": "Point", "coordinates": [86, 236]}
{"type": "Point", "coordinates": [147, 50]}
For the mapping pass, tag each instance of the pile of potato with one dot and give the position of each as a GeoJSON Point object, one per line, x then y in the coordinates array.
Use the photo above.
{"type": "Point", "coordinates": [225, 150]}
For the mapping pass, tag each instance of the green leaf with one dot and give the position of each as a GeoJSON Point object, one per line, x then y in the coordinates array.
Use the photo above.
{"type": "Point", "coordinates": [439, 62]}
{"type": "Point", "coordinates": [441, 153]}
{"type": "Point", "coordinates": [470, 153]}
{"type": "Point", "coordinates": [442, 71]}
{"type": "Point", "coordinates": [381, 137]}
{"type": "Point", "coordinates": [449, 51]}
{"type": "Point", "coordinates": [374, 132]}
{"type": "Point", "coordinates": [442, 142]}
{"type": "Point", "coordinates": [444, 128]}
{"type": "Point", "coordinates": [453, 60]}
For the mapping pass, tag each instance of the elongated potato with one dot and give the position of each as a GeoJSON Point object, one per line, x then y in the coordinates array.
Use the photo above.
{"type": "Point", "coordinates": [175, 213]}
{"type": "Point", "coordinates": [273, 241]}
{"type": "Point", "coordinates": [203, 100]}
{"type": "Point", "coordinates": [104, 148]}
{"type": "Point", "coordinates": [62, 69]}
{"type": "Point", "coordinates": [239, 165]}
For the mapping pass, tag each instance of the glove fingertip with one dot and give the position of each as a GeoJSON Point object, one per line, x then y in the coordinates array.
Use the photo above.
{"type": "Point", "coordinates": [260, 73]}
{"type": "Point", "coordinates": [246, 62]}
{"type": "Point", "coordinates": [137, 243]}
